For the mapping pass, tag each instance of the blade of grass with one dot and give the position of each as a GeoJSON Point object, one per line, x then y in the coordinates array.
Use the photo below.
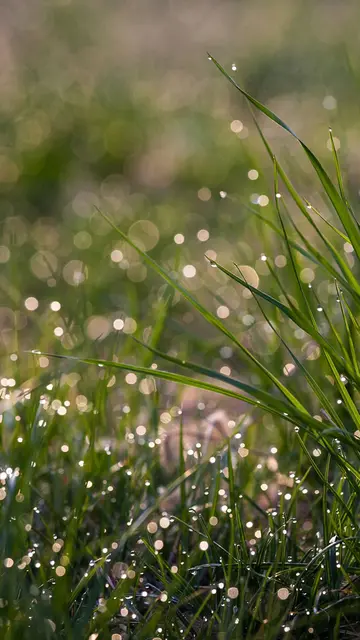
{"type": "Point", "coordinates": [338, 203]}
{"type": "Point", "coordinates": [293, 314]}
{"type": "Point", "coordinates": [210, 317]}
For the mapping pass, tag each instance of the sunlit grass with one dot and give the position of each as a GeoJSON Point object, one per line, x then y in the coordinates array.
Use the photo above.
{"type": "Point", "coordinates": [112, 529]}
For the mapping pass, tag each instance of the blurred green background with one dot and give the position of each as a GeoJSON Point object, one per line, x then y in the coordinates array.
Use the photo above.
{"type": "Point", "coordinates": [116, 105]}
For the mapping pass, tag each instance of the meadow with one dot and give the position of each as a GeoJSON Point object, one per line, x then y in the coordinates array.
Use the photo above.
{"type": "Point", "coordinates": [179, 322]}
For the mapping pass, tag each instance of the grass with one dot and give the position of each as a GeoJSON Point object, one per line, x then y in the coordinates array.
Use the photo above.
{"type": "Point", "coordinates": [254, 537]}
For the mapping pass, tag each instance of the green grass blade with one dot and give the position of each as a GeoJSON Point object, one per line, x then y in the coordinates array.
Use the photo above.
{"type": "Point", "coordinates": [338, 203]}
{"type": "Point", "coordinates": [295, 315]}
{"type": "Point", "coordinates": [255, 392]}
{"type": "Point", "coordinates": [211, 318]}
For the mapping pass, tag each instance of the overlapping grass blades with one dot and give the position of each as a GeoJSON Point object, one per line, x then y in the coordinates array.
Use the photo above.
{"type": "Point", "coordinates": [312, 571]}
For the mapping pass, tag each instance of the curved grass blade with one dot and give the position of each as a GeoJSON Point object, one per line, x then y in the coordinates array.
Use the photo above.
{"type": "Point", "coordinates": [345, 274]}
{"type": "Point", "coordinates": [349, 280]}
{"type": "Point", "coordinates": [325, 482]}
{"type": "Point", "coordinates": [337, 167]}
{"type": "Point", "coordinates": [351, 344]}
{"type": "Point", "coordinates": [346, 398]}
{"type": "Point", "coordinates": [335, 198]}
{"type": "Point", "coordinates": [314, 256]}
{"type": "Point", "coordinates": [295, 315]}
{"type": "Point", "coordinates": [332, 226]}
{"type": "Point", "coordinates": [210, 317]}
{"type": "Point", "coordinates": [290, 252]}
{"type": "Point", "coordinates": [257, 393]}
{"type": "Point", "coordinates": [310, 379]}
{"type": "Point", "coordinates": [298, 418]}
{"type": "Point", "coordinates": [337, 335]}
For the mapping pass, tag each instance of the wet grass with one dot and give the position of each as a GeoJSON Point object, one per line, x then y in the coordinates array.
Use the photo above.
{"type": "Point", "coordinates": [253, 536]}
